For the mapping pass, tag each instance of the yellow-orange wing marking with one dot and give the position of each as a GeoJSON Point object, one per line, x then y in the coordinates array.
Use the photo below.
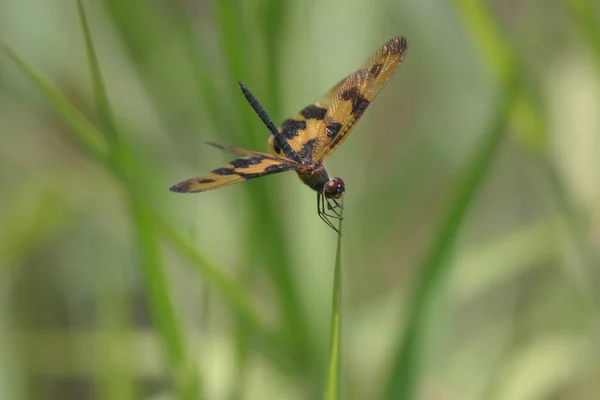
{"type": "Point", "coordinates": [320, 127]}
{"type": "Point", "coordinates": [241, 169]}
{"type": "Point", "coordinates": [354, 95]}
{"type": "Point", "coordinates": [301, 130]}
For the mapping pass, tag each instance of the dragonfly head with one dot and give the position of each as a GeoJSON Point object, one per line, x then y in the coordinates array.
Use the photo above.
{"type": "Point", "coordinates": [334, 188]}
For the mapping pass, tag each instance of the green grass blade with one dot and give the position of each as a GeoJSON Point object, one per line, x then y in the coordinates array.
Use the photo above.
{"type": "Point", "coordinates": [582, 12]}
{"type": "Point", "coordinates": [528, 115]}
{"type": "Point", "coordinates": [333, 382]}
{"type": "Point", "coordinates": [102, 103]}
{"type": "Point", "coordinates": [262, 201]}
{"type": "Point", "coordinates": [503, 59]}
{"type": "Point", "coordinates": [160, 303]}
{"type": "Point", "coordinates": [274, 20]}
{"type": "Point", "coordinates": [207, 90]}
{"type": "Point", "coordinates": [585, 18]}
{"type": "Point", "coordinates": [97, 146]}
{"type": "Point", "coordinates": [144, 222]}
{"type": "Point", "coordinates": [232, 292]}
{"type": "Point", "coordinates": [113, 314]}
{"type": "Point", "coordinates": [87, 134]}
{"type": "Point", "coordinates": [497, 54]}
{"type": "Point", "coordinates": [577, 224]}
{"type": "Point", "coordinates": [403, 379]}
{"type": "Point", "coordinates": [265, 245]}
{"type": "Point", "coordinates": [100, 148]}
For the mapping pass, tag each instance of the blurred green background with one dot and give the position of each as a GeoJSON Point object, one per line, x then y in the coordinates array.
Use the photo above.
{"type": "Point", "coordinates": [472, 211]}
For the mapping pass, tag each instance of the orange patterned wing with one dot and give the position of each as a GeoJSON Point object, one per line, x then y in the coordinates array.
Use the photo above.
{"type": "Point", "coordinates": [241, 169]}
{"type": "Point", "coordinates": [303, 129]}
{"type": "Point", "coordinates": [354, 95]}
{"type": "Point", "coordinates": [301, 132]}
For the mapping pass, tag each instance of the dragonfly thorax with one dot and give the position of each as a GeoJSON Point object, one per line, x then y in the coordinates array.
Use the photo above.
{"type": "Point", "coordinates": [318, 179]}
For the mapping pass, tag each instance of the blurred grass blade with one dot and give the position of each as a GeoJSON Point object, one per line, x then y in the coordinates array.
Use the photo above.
{"type": "Point", "coordinates": [497, 52]}
{"type": "Point", "coordinates": [263, 202]}
{"type": "Point", "coordinates": [333, 383]}
{"type": "Point", "coordinates": [577, 224]}
{"type": "Point", "coordinates": [582, 12]}
{"type": "Point", "coordinates": [88, 135]}
{"type": "Point", "coordinates": [586, 20]}
{"type": "Point", "coordinates": [207, 90]}
{"type": "Point", "coordinates": [528, 113]}
{"type": "Point", "coordinates": [144, 221]}
{"type": "Point", "coordinates": [274, 21]}
{"type": "Point", "coordinates": [160, 303]}
{"type": "Point", "coordinates": [404, 375]}
{"type": "Point", "coordinates": [503, 59]}
{"type": "Point", "coordinates": [231, 291]}
{"type": "Point", "coordinates": [113, 308]}
{"type": "Point", "coordinates": [102, 103]}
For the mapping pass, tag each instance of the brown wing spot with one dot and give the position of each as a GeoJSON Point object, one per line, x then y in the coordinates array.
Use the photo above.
{"type": "Point", "coordinates": [246, 162]}
{"type": "Point", "coordinates": [359, 102]}
{"type": "Point", "coordinates": [395, 46]}
{"type": "Point", "coordinates": [271, 169]}
{"type": "Point", "coordinates": [224, 171]}
{"type": "Point", "coordinates": [306, 153]}
{"type": "Point", "coordinates": [376, 69]}
{"type": "Point", "coordinates": [333, 128]}
{"type": "Point", "coordinates": [359, 107]}
{"type": "Point", "coordinates": [181, 187]}
{"type": "Point", "coordinates": [290, 128]}
{"type": "Point", "coordinates": [206, 180]}
{"type": "Point", "coordinates": [335, 141]}
{"type": "Point", "coordinates": [313, 112]}
{"type": "Point", "coordinates": [350, 94]}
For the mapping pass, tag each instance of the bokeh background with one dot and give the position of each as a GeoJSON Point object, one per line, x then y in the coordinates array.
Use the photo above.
{"type": "Point", "coordinates": [472, 212]}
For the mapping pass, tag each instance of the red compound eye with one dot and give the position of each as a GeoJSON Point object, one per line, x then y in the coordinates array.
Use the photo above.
{"type": "Point", "coordinates": [334, 188]}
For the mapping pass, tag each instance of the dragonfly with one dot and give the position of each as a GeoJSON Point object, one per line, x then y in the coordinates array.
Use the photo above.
{"type": "Point", "coordinates": [303, 142]}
